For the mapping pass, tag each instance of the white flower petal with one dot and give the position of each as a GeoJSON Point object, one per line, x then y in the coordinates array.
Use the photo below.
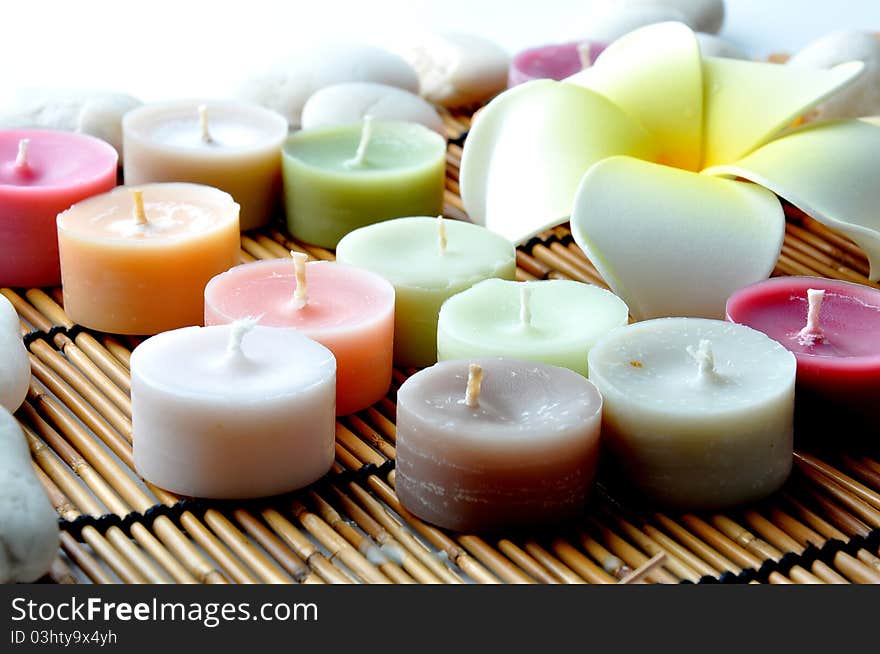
{"type": "Point", "coordinates": [529, 148]}
{"type": "Point", "coordinates": [831, 171]}
{"type": "Point", "coordinates": [747, 103]}
{"type": "Point", "coordinates": [668, 243]}
{"type": "Point", "coordinates": [655, 74]}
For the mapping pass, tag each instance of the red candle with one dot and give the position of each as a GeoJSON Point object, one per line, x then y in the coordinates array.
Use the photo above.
{"type": "Point", "coordinates": [833, 329]}
{"type": "Point", "coordinates": [42, 173]}
{"type": "Point", "coordinates": [556, 61]}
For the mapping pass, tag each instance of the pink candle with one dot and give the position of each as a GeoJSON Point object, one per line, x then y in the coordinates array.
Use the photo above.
{"type": "Point", "coordinates": [832, 327]}
{"type": "Point", "coordinates": [346, 309]}
{"type": "Point", "coordinates": [556, 61]}
{"type": "Point", "coordinates": [42, 173]}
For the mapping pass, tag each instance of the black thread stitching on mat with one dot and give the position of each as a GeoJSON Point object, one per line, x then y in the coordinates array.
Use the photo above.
{"type": "Point", "coordinates": [49, 336]}
{"type": "Point", "coordinates": [460, 139]}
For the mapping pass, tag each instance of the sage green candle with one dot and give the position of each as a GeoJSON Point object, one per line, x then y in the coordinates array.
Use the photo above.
{"type": "Point", "coordinates": [427, 260]}
{"type": "Point", "coordinates": [340, 178]}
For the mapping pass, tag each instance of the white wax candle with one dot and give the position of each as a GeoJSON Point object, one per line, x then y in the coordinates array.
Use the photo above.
{"type": "Point", "coordinates": [698, 413]}
{"type": "Point", "coordinates": [232, 411]}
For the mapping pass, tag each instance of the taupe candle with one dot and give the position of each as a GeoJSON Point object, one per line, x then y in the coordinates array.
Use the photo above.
{"type": "Point", "coordinates": [496, 443]}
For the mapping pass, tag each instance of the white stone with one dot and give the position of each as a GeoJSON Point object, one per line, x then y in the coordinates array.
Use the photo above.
{"type": "Point", "coordinates": [862, 97]}
{"type": "Point", "coordinates": [28, 523]}
{"type": "Point", "coordinates": [351, 101]}
{"type": "Point", "coordinates": [15, 368]}
{"type": "Point", "coordinates": [97, 113]}
{"type": "Point", "coordinates": [611, 19]}
{"type": "Point", "coordinates": [458, 70]}
{"type": "Point", "coordinates": [287, 85]}
{"type": "Point", "coordinates": [715, 46]}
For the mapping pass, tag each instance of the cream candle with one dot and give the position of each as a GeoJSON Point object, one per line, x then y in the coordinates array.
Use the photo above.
{"type": "Point", "coordinates": [552, 321]}
{"type": "Point", "coordinates": [232, 411]}
{"type": "Point", "coordinates": [698, 413]}
{"type": "Point", "coordinates": [349, 310]}
{"type": "Point", "coordinates": [337, 179]}
{"type": "Point", "coordinates": [136, 261]}
{"type": "Point", "coordinates": [233, 146]}
{"type": "Point", "coordinates": [42, 173]}
{"type": "Point", "coordinates": [495, 443]}
{"type": "Point", "coordinates": [427, 260]}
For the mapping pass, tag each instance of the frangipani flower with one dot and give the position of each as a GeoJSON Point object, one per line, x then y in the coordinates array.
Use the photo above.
{"type": "Point", "coordinates": [669, 164]}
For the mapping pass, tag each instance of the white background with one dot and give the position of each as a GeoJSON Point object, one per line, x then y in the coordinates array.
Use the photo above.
{"type": "Point", "coordinates": [171, 48]}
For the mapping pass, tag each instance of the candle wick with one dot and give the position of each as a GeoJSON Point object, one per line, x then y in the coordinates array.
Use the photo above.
{"type": "Point", "coordinates": [704, 358]}
{"type": "Point", "coordinates": [583, 50]}
{"type": "Point", "coordinates": [203, 124]}
{"type": "Point", "coordinates": [237, 331]}
{"type": "Point", "coordinates": [525, 309]}
{"type": "Point", "coordinates": [812, 332]}
{"type": "Point", "coordinates": [21, 160]}
{"type": "Point", "coordinates": [301, 294]}
{"type": "Point", "coordinates": [361, 154]}
{"type": "Point", "coordinates": [140, 214]}
{"type": "Point", "coordinates": [442, 238]}
{"type": "Point", "coordinates": [474, 384]}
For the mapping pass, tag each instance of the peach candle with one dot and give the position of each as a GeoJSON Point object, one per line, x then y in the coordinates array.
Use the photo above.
{"type": "Point", "coordinates": [136, 261]}
{"type": "Point", "coordinates": [347, 309]}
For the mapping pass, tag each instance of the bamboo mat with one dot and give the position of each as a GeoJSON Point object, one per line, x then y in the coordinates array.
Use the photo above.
{"type": "Point", "coordinates": [824, 527]}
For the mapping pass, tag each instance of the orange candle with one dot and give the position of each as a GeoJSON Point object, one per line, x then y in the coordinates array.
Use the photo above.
{"type": "Point", "coordinates": [136, 260]}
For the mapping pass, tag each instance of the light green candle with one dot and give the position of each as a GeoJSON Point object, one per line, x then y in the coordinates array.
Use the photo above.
{"type": "Point", "coordinates": [427, 260]}
{"type": "Point", "coordinates": [553, 321]}
{"type": "Point", "coordinates": [340, 178]}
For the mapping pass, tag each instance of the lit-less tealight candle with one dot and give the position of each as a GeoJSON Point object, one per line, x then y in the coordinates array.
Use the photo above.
{"type": "Point", "coordinates": [232, 411]}
{"type": "Point", "coordinates": [495, 443]}
{"type": "Point", "coordinates": [552, 321]}
{"type": "Point", "coordinates": [427, 260]}
{"type": "Point", "coordinates": [41, 174]}
{"type": "Point", "coordinates": [349, 310]}
{"type": "Point", "coordinates": [136, 261]}
{"type": "Point", "coordinates": [832, 327]}
{"type": "Point", "coordinates": [698, 413]}
{"type": "Point", "coordinates": [556, 61]}
{"type": "Point", "coordinates": [233, 146]}
{"type": "Point", "coordinates": [337, 179]}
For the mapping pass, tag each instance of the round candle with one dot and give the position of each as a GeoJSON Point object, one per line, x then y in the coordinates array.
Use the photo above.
{"type": "Point", "coordinates": [233, 146]}
{"type": "Point", "coordinates": [232, 411]}
{"type": "Point", "coordinates": [349, 310]}
{"type": "Point", "coordinates": [136, 261]}
{"type": "Point", "coordinates": [41, 174]}
{"type": "Point", "coordinates": [496, 443]}
{"type": "Point", "coordinates": [837, 343]}
{"type": "Point", "coordinates": [428, 260]}
{"type": "Point", "coordinates": [698, 413]}
{"type": "Point", "coordinates": [551, 321]}
{"type": "Point", "coordinates": [556, 61]}
{"type": "Point", "coordinates": [337, 179]}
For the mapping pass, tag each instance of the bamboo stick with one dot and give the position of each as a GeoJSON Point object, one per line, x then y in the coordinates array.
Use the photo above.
{"type": "Point", "coordinates": [497, 563]}
{"type": "Point", "coordinates": [674, 563]}
{"type": "Point", "coordinates": [285, 556]}
{"type": "Point", "coordinates": [610, 563]}
{"type": "Point", "coordinates": [526, 562]}
{"type": "Point", "coordinates": [561, 571]}
{"type": "Point", "coordinates": [645, 569]}
{"type": "Point", "coordinates": [632, 556]}
{"type": "Point", "coordinates": [582, 565]}
{"type": "Point", "coordinates": [856, 506]}
{"type": "Point", "coordinates": [267, 571]}
{"type": "Point", "coordinates": [713, 557]}
{"type": "Point", "coordinates": [848, 483]}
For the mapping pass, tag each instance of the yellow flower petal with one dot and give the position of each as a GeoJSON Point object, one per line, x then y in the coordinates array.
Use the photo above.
{"type": "Point", "coordinates": [655, 74]}
{"type": "Point", "coordinates": [747, 103]}
{"type": "Point", "coordinates": [831, 171]}
{"type": "Point", "coordinates": [529, 148]}
{"type": "Point", "coordinates": [671, 244]}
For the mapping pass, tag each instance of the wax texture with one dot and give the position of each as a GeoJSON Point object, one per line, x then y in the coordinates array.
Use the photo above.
{"type": "Point", "coordinates": [349, 310]}
{"type": "Point", "coordinates": [60, 170]}
{"type": "Point", "coordinates": [211, 422]}
{"type": "Point", "coordinates": [526, 455]}
{"type": "Point", "coordinates": [163, 143]}
{"type": "Point", "coordinates": [403, 173]}
{"type": "Point", "coordinates": [557, 61]}
{"type": "Point", "coordinates": [560, 322]}
{"type": "Point", "coordinates": [121, 277]}
{"type": "Point", "coordinates": [693, 438]}
{"type": "Point", "coordinates": [407, 253]}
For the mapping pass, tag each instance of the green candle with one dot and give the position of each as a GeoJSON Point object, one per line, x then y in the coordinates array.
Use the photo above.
{"type": "Point", "coordinates": [554, 322]}
{"type": "Point", "coordinates": [427, 260]}
{"type": "Point", "coordinates": [340, 178]}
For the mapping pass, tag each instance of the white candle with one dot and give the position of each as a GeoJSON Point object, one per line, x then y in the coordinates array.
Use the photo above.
{"type": "Point", "coordinates": [698, 413]}
{"type": "Point", "coordinates": [232, 411]}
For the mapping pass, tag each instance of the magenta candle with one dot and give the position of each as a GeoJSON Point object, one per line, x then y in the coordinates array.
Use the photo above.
{"type": "Point", "coordinates": [556, 61]}
{"type": "Point", "coordinates": [348, 310]}
{"type": "Point", "coordinates": [833, 329]}
{"type": "Point", "coordinates": [42, 173]}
